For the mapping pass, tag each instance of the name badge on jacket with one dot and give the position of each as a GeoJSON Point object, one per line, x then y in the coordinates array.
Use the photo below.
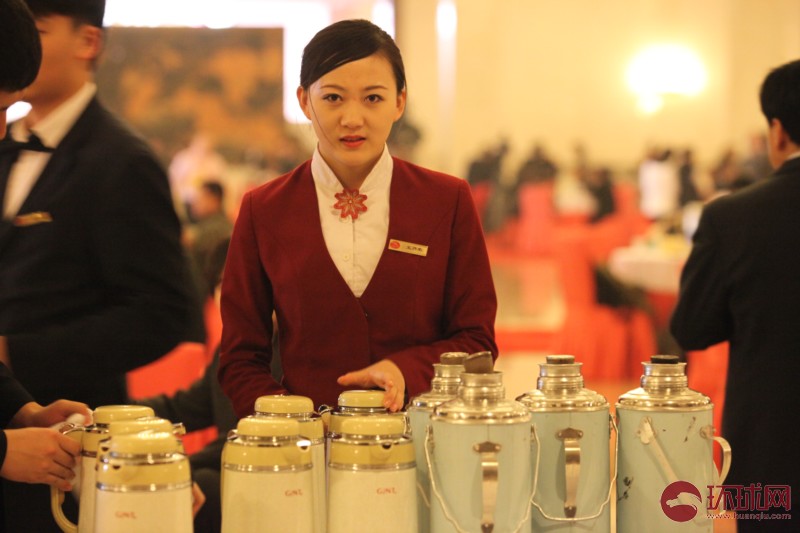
{"type": "Point", "coordinates": [408, 247]}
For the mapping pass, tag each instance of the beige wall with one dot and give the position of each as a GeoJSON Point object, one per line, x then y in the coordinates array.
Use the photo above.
{"type": "Point", "coordinates": [555, 71]}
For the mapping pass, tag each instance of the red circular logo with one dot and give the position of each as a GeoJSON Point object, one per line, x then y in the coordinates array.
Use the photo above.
{"type": "Point", "coordinates": [680, 501]}
{"type": "Point", "coordinates": [394, 244]}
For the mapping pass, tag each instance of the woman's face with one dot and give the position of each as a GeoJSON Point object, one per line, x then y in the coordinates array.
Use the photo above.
{"type": "Point", "coordinates": [352, 109]}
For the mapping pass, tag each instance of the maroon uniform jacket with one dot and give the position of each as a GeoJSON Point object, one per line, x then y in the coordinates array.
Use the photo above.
{"type": "Point", "coordinates": [414, 308]}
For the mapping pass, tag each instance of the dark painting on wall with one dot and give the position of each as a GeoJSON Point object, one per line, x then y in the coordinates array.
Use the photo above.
{"type": "Point", "coordinates": [171, 83]}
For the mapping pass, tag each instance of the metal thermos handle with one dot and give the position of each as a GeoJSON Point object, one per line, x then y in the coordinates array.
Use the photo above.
{"type": "Point", "coordinates": [572, 473]}
{"type": "Point", "coordinates": [489, 467]}
{"type": "Point", "coordinates": [572, 468]}
{"type": "Point", "coordinates": [708, 433]}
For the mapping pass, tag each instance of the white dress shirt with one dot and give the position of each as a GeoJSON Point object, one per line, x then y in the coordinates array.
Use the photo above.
{"type": "Point", "coordinates": [354, 245]}
{"type": "Point", "coordinates": [51, 130]}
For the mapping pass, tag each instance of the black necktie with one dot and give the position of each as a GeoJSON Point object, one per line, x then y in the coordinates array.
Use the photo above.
{"type": "Point", "coordinates": [33, 144]}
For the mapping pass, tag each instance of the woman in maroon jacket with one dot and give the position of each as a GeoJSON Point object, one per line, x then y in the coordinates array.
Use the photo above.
{"type": "Point", "coordinates": [373, 266]}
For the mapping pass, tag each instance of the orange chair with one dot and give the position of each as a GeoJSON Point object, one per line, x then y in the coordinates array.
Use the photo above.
{"type": "Point", "coordinates": [605, 339]}
{"type": "Point", "coordinates": [481, 192]}
{"type": "Point", "coordinates": [707, 372]}
{"type": "Point", "coordinates": [537, 219]}
{"type": "Point", "coordinates": [178, 370]}
{"type": "Point", "coordinates": [626, 197]}
{"type": "Point", "coordinates": [213, 322]}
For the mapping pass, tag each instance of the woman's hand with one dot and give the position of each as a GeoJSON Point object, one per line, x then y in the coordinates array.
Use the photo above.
{"type": "Point", "coordinates": [384, 374]}
{"type": "Point", "coordinates": [34, 415]}
{"type": "Point", "coordinates": [40, 455]}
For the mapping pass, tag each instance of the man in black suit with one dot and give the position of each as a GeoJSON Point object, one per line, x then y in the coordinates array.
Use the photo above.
{"type": "Point", "coordinates": [742, 284]}
{"type": "Point", "coordinates": [93, 281]}
{"type": "Point", "coordinates": [33, 455]}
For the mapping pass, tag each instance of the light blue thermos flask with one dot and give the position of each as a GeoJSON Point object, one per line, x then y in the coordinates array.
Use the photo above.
{"type": "Point", "coordinates": [571, 454]}
{"type": "Point", "coordinates": [444, 387]}
{"type": "Point", "coordinates": [666, 465]}
{"type": "Point", "coordinates": [478, 453]}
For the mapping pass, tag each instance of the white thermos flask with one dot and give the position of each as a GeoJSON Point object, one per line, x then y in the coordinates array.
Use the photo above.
{"type": "Point", "coordinates": [144, 483]}
{"type": "Point", "coordinates": [371, 477]}
{"type": "Point", "coordinates": [267, 478]}
{"type": "Point", "coordinates": [312, 429]}
{"type": "Point", "coordinates": [85, 478]}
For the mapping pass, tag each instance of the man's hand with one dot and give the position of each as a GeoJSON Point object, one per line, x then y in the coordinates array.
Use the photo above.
{"type": "Point", "coordinates": [40, 455]}
{"type": "Point", "coordinates": [34, 415]}
{"type": "Point", "coordinates": [384, 374]}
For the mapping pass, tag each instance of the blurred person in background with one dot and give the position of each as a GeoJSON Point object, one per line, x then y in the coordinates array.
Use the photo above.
{"type": "Point", "coordinates": [599, 182]}
{"type": "Point", "coordinates": [537, 168]}
{"type": "Point", "coordinates": [93, 281]}
{"type": "Point", "coordinates": [686, 170]}
{"type": "Point", "coordinates": [189, 168]}
{"type": "Point", "coordinates": [726, 170]}
{"type": "Point", "coordinates": [492, 199]}
{"type": "Point", "coordinates": [211, 227]}
{"type": "Point", "coordinates": [756, 166]}
{"type": "Point", "coordinates": [740, 285]}
{"type": "Point", "coordinates": [659, 187]}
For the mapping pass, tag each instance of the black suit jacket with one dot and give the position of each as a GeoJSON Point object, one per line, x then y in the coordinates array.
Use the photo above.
{"type": "Point", "coordinates": [92, 274]}
{"type": "Point", "coordinates": [741, 283]}
{"type": "Point", "coordinates": [12, 397]}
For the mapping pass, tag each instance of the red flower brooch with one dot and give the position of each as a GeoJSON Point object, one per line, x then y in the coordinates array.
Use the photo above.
{"type": "Point", "coordinates": [350, 202]}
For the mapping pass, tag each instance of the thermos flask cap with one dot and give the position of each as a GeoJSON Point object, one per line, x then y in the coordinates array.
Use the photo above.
{"type": "Point", "coordinates": [284, 404]}
{"type": "Point", "coordinates": [560, 388]}
{"type": "Point", "coordinates": [664, 385]}
{"type": "Point", "coordinates": [105, 414]}
{"type": "Point", "coordinates": [253, 426]}
{"type": "Point", "coordinates": [453, 358]}
{"type": "Point", "coordinates": [479, 363]}
{"type": "Point", "coordinates": [361, 398]}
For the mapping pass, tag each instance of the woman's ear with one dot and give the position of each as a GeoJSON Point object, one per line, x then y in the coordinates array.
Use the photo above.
{"type": "Point", "coordinates": [302, 99]}
{"type": "Point", "coordinates": [401, 105]}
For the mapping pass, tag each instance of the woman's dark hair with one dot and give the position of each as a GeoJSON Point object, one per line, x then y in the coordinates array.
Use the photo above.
{"type": "Point", "coordinates": [346, 41]}
{"type": "Point", "coordinates": [20, 48]}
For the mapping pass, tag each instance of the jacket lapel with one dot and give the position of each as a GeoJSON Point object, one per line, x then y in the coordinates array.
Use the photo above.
{"type": "Point", "coordinates": [413, 217]}
{"type": "Point", "coordinates": [306, 240]}
{"type": "Point", "coordinates": [6, 227]}
{"type": "Point", "coordinates": [58, 168]}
